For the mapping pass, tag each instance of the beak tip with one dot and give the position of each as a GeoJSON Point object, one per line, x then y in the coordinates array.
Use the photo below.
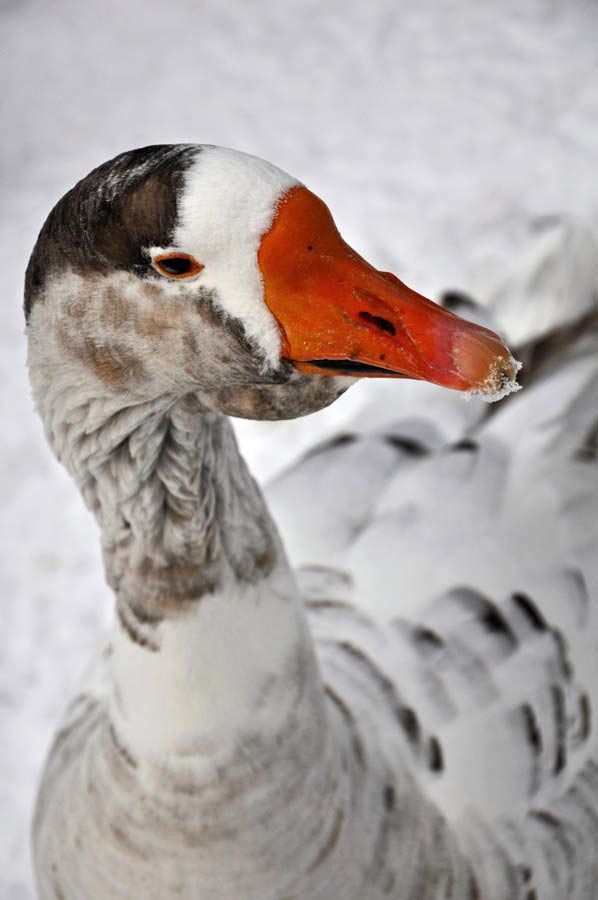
{"type": "Point", "coordinates": [486, 365]}
{"type": "Point", "coordinates": [500, 381]}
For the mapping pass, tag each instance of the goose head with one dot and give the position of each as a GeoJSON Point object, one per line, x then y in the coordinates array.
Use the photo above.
{"type": "Point", "coordinates": [196, 269]}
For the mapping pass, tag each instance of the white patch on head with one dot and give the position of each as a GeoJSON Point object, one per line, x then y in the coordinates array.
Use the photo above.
{"type": "Point", "coordinates": [227, 205]}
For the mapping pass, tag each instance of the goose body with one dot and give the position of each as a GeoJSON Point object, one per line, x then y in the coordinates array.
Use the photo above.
{"type": "Point", "coordinates": [392, 691]}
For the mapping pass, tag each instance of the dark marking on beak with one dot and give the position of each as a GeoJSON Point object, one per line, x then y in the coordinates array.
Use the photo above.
{"type": "Point", "coordinates": [378, 322]}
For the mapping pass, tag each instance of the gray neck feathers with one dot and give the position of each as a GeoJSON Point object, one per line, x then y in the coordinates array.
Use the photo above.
{"type": "Point", "coordinates": [179, 512]}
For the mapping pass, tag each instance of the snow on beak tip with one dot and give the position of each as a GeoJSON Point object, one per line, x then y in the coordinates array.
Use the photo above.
{"type": "Point", "coordinates": [487, 365]}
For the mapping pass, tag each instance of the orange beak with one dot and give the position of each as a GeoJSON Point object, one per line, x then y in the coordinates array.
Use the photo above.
{"type": "Point", "coordinates": [340, 316]}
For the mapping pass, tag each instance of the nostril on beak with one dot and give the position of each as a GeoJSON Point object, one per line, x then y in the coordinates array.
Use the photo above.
{"type": "Point", "coordinates": [378, 322]}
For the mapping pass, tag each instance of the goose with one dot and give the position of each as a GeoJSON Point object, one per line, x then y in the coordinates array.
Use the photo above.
{"type": "Point", "coordinates": [400, 704]}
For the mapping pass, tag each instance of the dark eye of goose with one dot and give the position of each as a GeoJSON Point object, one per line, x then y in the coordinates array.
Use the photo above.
{"type": "Point", "coordinates": [177, 265]}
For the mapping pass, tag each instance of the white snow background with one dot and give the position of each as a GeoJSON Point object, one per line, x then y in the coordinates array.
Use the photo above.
{"type": "Point", "coordinates": [438, 131]}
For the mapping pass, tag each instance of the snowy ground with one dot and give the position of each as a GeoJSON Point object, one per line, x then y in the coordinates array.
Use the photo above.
{"type": "Point", "coordinates": [438, 132]}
